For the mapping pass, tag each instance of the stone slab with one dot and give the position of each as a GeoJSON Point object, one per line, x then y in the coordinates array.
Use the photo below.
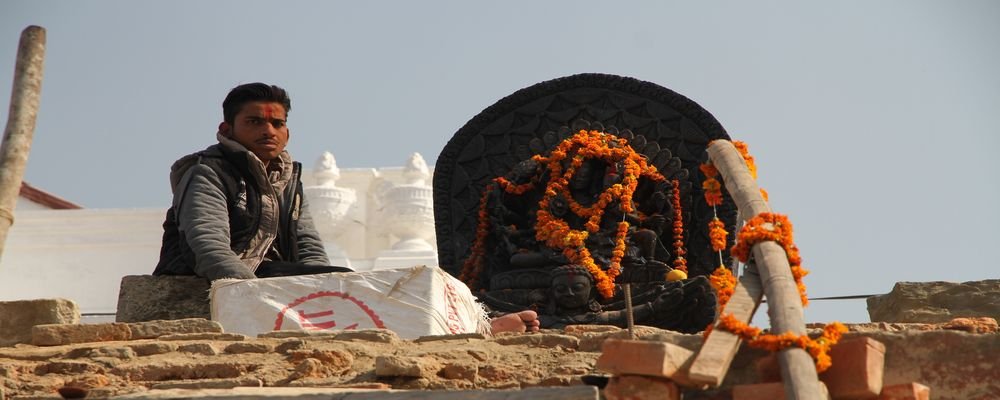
{"type": "Point", "coordinates": [18, 317]}
{"type": "Point", "coordinates": [155, 329]}
{"type": "Point", "coordinates": [149, 298]}
{"type": "Point", "coordinates": [57, 335]}
{"type": "Point", "coordinates": [932, 302]}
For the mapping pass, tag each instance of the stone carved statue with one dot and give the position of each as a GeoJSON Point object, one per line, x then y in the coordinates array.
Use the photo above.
{"type": "Point", "coordinates": [329, 205]}
{"type": "Point", "coordinates": [527, 272]}
{"type": "Point", "coordinates": [573, 302]}
{"type": "Point", "coordinates": [516, 267]}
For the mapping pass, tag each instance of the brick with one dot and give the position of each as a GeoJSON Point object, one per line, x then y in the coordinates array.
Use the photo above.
{"type": "Point", "coordinates": [387, 366]}
{"type": "Point", "coordinates": [18, 317]}
{"type": "Point", "coordinates": [571, 329]}
{"type": "Point", "coordinates": [550, 340]}
{"type": "Point", "coordinates": [369, 335]}
{"type": "Point", "coordinates": [198, 348]}
{"type": "Point", "coordinates": [155, 329]}
{"type": "Point", "coordinates": [768, 369]}
{"type": "Point", "coordinates": [459, 370]}
{"type": "Point", "coordinates": [148, 349]}
{"type": "Point", "coordinates": [248, 347]}
{"type": "Point", "coordinates": [647, 358]}
{"type": "Point", "coordinates": [209, 383]}
{"type": "Point", "coordinates": [60, 334]}
{"type": "Point", "coordinates": [906, 391]}
{"type": "Point", "coordinates": [767, 391]}
{"type": "Point", "coordinates": [205, 336]}
{"type": "Point", "coordinates": [636, 387]}
{"type": "Point", "coordinates": [857, 369]}
{"type": "Point", "coordinates": [290, 345]}
{"type": "Point", "coordinates": [297, 333]}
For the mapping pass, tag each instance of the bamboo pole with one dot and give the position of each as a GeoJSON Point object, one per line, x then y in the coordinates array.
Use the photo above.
{"type": "Point", "coordinates": [24, 99]}
{"type": "Point", "coordinates": [784, 305]}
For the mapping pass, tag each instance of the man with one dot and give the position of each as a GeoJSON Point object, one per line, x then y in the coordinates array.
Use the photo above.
{"type": "Point", "coordinates": [238, 209]}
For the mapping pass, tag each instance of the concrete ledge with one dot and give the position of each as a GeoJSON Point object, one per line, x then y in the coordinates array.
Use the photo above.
{"type": "Point", "coordinates": [549, 393]}
{"type": "Point", "coordinates": [148, 298]}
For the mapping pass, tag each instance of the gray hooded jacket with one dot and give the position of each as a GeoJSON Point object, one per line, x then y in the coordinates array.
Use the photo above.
{"type": "Point", "coordinates": [229, 214]}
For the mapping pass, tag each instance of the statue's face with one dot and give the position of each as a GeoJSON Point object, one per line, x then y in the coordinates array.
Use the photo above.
{"type": "Point", "coordinates": [582, 176]}
{"type": "Point", "coordinates": [571, 291]}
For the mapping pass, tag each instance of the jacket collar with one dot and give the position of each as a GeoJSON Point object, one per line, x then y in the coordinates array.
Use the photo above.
{"type": "Point", "coordinates": [256, 166]}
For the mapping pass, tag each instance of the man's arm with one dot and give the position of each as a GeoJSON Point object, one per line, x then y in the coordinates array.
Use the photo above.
{"type": "Point", "coordinates": [311, 249]}
{"type": "Point", "coordinates": [203, 220]}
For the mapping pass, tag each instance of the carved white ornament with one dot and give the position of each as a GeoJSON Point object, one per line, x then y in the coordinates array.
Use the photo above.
{"type": "Point", "coordinates": [408, 208]}
{"type": "Point", "coordinates": [329, 205]}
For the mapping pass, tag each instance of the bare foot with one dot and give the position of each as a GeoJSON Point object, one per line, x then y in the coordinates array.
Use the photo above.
{"type": "Point", "coordinates": [524, 321]}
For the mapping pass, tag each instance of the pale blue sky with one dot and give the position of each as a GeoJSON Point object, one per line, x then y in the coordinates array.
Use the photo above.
{"type": "Point", "coordinates": [874, 124]}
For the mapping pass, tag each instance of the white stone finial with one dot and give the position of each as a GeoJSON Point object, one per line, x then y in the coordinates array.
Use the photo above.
{"type": "Point", "coordinates": [326, 171]}
{"type": "Point", "coordinates": [416, 172]}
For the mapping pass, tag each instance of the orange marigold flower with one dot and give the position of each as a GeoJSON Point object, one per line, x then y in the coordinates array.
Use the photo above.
{"type": "Point", "coordinates": [709, 170]}
{"type": "Point", "coordinates": [717, 234]}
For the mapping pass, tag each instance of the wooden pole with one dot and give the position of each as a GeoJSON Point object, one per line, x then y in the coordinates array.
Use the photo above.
{"type": "Point", "coordinates": [784, 304]}
{"type": "Point", "coordinates": [24, 99]}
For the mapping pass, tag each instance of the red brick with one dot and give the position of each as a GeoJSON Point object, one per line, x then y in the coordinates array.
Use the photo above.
{"type": "Point", "coordinates": [766, 391]}
{"type": "Point", "coordinates": [636, 387]}
{"type": "Point", "coordinates": [857, 367]}
{"type": "Point", "coordinates": [768, 369]}
{"type": "Point", "coordinates": [647, 358]}
{"type": "Point", "coordinates": [906, 391]}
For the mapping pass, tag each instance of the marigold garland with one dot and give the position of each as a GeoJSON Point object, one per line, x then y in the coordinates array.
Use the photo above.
{"type": "Point", "coordinates": [717, 234]}
{"type": "Point", "coordinates": [817, 348]}
{"type": "Point", "coordinates": [763, 227]}
{"type": "Point", "coordinates": [555, 232]}
{"type": "Point", "coordinates": [711, 186]}
{"type": "Point", "coordinates": [777, 228]}
{"type": "Point", "coordinates": [679, 263]}
{"type": "Point", "coordinates": [724, 283]}
{"type": "Point", "coordinates": [745, 152]}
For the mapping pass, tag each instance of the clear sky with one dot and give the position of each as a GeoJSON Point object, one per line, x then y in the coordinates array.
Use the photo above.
{"type": "Point", "coordinates": [874, 124]}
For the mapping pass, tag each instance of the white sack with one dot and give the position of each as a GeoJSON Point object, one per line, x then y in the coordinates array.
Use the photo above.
{"type": "Point", "coordinates": [413, 302]}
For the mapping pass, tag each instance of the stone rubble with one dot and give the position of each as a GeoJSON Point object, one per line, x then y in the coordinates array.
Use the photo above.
{"type": "Point", "coordinates": [194, 355]}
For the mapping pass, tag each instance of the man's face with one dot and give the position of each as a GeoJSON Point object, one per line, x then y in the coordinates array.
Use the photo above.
{"type": "Point", "coordinates": [261, 128]}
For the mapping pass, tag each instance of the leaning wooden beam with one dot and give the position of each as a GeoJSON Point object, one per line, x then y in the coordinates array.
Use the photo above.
{"type": "Point", "coordinates": [24, 99]}
{"type": "Point", "coordinates": [784, 305]}
{"type": "Point", "coordinates": [712, 361]}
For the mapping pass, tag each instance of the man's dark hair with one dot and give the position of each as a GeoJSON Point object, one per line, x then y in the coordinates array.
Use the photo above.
{"type": "Point", "coordinates": [249, 92]}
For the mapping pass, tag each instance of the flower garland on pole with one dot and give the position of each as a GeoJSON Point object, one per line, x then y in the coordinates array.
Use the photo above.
{"type": "Point", "coordinates": [554, 231]}
{"type": "Point", "coordinates": [761, 228]}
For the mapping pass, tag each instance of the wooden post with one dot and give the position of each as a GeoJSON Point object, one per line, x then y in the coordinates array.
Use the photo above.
{"type": "Point", "coordinates": [24, 99]}
{"type": "Point", "coordinates": [784, 305]}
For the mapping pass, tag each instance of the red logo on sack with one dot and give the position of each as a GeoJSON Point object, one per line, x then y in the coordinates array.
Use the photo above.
{"type": "Point", "coordinates": [327, 310]}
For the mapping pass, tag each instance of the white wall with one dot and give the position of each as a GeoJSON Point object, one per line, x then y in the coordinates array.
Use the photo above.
{"type": "Point", "coordinates": [82, 254]}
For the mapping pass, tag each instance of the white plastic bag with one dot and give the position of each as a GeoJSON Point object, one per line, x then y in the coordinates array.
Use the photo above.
{"type": "Point", "coordinates": [413, 302]}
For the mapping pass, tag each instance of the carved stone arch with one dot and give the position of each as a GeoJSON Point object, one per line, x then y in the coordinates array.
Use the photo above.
{"type": "Point", "coordinates": [497, 138]}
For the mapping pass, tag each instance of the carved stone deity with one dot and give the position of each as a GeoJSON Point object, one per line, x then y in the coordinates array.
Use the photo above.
{"type": "Point", "coordinates": [533, 215]}
{"type": "Point", "coordinates": [589, 204]}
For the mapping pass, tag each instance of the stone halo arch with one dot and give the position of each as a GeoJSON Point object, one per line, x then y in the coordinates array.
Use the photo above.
{"type": "Point", "coordinates": [494, 140]}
